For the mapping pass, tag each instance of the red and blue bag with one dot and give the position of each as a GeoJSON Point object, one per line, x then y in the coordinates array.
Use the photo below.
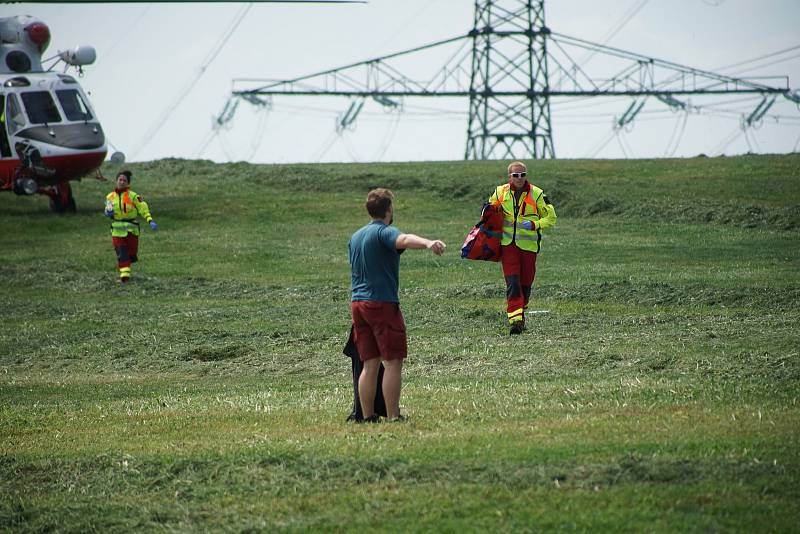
{"type": "Point", "coordinates": [483, 241]}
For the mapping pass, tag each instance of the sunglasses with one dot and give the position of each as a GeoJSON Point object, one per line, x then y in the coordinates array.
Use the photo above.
{"type": "Point", "coordinates": [519, 174]}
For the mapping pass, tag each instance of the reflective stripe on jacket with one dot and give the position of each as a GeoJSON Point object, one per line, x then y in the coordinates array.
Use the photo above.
{"type": "Point", "coordinates": [531, 206]}
{"type": "Point", "coordinates": [128, 206]}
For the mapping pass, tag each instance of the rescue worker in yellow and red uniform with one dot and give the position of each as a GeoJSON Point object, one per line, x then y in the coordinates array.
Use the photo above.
{"type": "Point", "coordinates": [526, 212]}
{"type": "Point", "coordinates": [124, 207]}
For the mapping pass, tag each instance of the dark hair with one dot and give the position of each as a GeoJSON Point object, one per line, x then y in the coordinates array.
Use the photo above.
{"type": "Point", "coordinates": [127, 174]}
{"type": "Point", "coordinates": [378, 202]}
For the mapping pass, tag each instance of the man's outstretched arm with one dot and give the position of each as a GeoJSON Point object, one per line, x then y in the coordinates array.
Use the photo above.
{"type": "Point", "coordinates": [414, 241]}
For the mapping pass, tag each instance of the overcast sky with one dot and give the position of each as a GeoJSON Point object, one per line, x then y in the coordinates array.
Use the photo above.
{"type": "Point", "coordinates": [154, 100]}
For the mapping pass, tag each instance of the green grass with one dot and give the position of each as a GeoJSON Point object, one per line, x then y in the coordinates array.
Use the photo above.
{"type": "Point", "coordinates": [659, 392]}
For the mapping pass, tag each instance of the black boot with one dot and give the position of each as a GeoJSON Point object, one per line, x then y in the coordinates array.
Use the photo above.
{"type": "Point", "coordinates": [516, 328]}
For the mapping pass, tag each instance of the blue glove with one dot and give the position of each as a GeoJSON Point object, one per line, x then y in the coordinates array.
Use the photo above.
{"type": "Point", "coordinates": [109, 213]}
{"type": "Point", "coordinates": [153, 225]}
{"type": "Point", "coordinates": [527, 225]}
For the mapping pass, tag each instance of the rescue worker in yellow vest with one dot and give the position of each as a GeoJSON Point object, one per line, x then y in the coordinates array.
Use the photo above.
{"type": "Point", "coordinates": [124, 207]}
{"type": "Point", "coordinates": [526, 212]}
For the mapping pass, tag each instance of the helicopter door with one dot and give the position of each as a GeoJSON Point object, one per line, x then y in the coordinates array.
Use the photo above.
{"type": "Point", "coordinates": [14, 118]}
{"type": "Point", "coordinates": [5, 147]}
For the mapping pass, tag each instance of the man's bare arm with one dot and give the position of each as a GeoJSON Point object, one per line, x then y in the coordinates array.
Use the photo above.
{"type": "Point", "coordinates": [414, 241]}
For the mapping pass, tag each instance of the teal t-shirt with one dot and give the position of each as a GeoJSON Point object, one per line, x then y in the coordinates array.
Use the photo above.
{"type": "Point", "coordinates": [375, 263]}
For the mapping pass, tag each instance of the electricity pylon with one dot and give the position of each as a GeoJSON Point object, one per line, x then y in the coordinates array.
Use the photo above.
{"type": "Point", "coordinates": [509, 52]}
{"type": "Point", "coordinates": [513, 68]}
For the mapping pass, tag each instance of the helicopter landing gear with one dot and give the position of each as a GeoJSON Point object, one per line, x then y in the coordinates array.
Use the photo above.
{"type": "Point", "coordinates": [61, 199]}
{"type": "Point", "coordinates": [25, 186]}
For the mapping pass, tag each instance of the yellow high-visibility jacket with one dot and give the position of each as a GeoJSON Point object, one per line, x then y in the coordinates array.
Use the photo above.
{"type": "Point", "coordinates": [531, 206]}
{"type": "Point", "coordinates": [128, 206]}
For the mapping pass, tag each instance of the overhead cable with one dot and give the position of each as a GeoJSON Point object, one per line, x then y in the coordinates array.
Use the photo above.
{"type": "Point", "coordinates": [213, 53]}
{"type": "Point", "coordinates": [727, 141]}
{"type": "Point", "coordinates": [626, 18]}
{"type": "Point", "coordinates": [404, 25]}
{"type": "Point", "coordinates": [765, 56]}
{"type": "Point", "coordinates": [782, 60]}
{"type": "Point", "coordinates": [601, 145]}
{"type": "Point", "coordinates": [677, 134]}
{"type": "Point", "coordinates": [621, 142]}
{"type": "Point", "coordinates": [124, 36]}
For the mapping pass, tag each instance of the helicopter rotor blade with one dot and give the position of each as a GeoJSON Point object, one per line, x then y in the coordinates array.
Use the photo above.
{"type": "Point", "coordinates": [187, 1]}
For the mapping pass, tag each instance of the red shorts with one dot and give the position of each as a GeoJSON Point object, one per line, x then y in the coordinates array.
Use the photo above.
{"type": "Point", "coordinates": [379, 329]}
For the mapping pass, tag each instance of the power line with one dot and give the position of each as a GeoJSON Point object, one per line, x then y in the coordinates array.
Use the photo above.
{"type": "Point", "coordinates": [765, 56]}
{"type": "Point", "coordinates": [601, 145]}
{"type": "Point", "coordinates": [404, 26]}
{"type": "Point", "coordinates": [201, 148]}
{"type": "Point", "coordinates": [387, 139]}
{"type": "Point", "coordinates": [727, 141]}
{"type": "Point", "coordinates": [510, 95]}
{"type": "Point", "coordinates": [675, 138]}
{"type": "Point", "coordinates": [258, 137]}
{"type": "Point", "coordinates": [622, 145]}
{"type": "Point", "coordinates": [210, 57]}
{"type": "Point", "coordinates": [766, 64]}
{"type": "Point", "coordinates": [625, 143]}
{"type": "Point", "coordinates": [755, 141]}
{"type": "Point", "coordinates": [323, 149]}
{"type": "Point", "coordinates": [626, 18]}
{"type": "Point", "coordinates": [128, 29]}
{"type": "Point", "coordinates": [350, 150]}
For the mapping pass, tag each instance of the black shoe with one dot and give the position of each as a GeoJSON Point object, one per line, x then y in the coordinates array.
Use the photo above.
{"type": "Point", "coordinates": [398, 419]}
{"type": "Point", "coordinates": [374, 418]}
{"type": "Point", "coordinates": [516, 328]}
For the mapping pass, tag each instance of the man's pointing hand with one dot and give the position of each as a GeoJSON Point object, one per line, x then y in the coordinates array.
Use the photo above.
{"type": "Point", "coordinates": [437, 247]}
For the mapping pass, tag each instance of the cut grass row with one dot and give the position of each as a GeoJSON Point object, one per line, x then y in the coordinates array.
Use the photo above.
{"type": "Point", "coordinates": [658, 393]}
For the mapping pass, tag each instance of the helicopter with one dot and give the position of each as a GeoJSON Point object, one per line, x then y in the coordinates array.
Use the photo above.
{"type": "Point", "coordinates": [49, 133]}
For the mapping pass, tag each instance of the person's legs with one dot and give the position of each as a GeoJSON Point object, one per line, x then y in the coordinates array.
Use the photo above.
{"type": "Point", "coordinates": [367, 383]}
{"type": "Point", "coordinates": [391, 336]}
{"type": "Point", "coordinates": [369, 354]}
{"type": "Point", "coordinates": [133, 247]}
{"type": "Point", "coordinates": [380, 332]}
{"type": "Point", "coordinates": [511, 271]}
{"type": "Point", "coordinates": [527, 275]}
{"type": "Point", "coordinates": [123, 258]}
{"type": "Point", "coordinates": [392, 382]}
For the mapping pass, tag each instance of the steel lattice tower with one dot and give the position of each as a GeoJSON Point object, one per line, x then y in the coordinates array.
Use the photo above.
{"type": "Point", "coordinates": [504, 73]}
{"type": "Point", "coordinates": [509, 53]}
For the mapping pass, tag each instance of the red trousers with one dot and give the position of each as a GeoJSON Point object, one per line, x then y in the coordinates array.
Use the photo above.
{"type": "Point", "coordinates": [519, 270]}
{"type": "Point", "coordinates": [127, 249]}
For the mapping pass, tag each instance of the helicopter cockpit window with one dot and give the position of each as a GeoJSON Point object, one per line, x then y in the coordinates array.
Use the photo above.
{"type": "Point", "coordinates": [15, 120]}
{"type": "Point", "coordinates": [73, 105]}
{"type": "Point", "coordinates": [40, 107]}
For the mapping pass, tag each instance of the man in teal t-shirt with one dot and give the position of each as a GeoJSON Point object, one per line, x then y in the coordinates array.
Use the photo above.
{"type": "Point", "coordinates": [378, 325]}
{"type": "Point", "coordinates": [375, 263]}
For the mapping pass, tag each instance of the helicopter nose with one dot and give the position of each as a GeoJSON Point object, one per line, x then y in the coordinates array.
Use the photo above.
{"type": "Point", "coordinates": [83, 137]}
{"type": "Point", "coordinates": [75, 136]}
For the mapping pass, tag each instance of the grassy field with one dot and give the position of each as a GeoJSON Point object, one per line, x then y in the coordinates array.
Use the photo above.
{"type": "Point", "coordinates": [659, 392]}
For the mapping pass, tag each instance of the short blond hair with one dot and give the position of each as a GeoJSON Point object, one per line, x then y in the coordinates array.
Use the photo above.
{"type": "Point", "coordinates": [517, 164]}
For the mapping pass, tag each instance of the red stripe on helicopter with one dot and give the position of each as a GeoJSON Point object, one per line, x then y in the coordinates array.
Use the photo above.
{"type": "Point", "coordinates": [68, 167]}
